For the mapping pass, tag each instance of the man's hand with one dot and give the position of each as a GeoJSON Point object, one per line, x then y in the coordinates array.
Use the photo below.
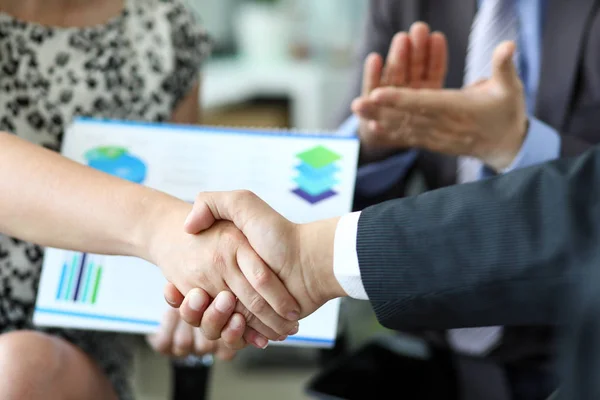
{"type": "Point", "coordinates": [300, 255]}
{"type": "Point", "coordinates": [177, 338]}
{"type": "Point", "coordinates": [221, 259]}
{"type": "Point", "coordinates": [417, 59]}
{"type": "Point", "coordinates": [486, 120]}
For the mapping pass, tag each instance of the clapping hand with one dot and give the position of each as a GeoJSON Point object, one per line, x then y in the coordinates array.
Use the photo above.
{"type": "Point", "coordinates": [417, 60]}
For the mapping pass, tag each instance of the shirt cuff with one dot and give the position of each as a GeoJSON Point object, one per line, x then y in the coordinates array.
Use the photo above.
{"type": "Point", "coordinates": [541, 144]}
{"type": "Point", "coordinates": [345, 259]}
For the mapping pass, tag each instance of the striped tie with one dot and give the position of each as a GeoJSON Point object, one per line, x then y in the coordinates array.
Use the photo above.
{"type": "Point", "coordinates": [495, 22]}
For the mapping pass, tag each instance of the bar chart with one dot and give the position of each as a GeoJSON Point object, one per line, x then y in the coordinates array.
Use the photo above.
{"type": "Point", "coordinates": [80, 278]}
{"type": "Point", "coordinates": [305, 176]}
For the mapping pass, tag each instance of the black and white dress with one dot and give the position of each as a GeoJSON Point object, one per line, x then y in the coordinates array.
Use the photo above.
{"type": "Point", "coordinates": [137, 66]}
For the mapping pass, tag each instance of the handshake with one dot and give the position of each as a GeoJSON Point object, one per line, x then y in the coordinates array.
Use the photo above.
{"type": "Point", "coordinates": [241, 271]}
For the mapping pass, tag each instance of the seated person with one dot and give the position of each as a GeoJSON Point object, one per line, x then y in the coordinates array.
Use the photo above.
{"type": "Point", "coordinates": [120, 59]}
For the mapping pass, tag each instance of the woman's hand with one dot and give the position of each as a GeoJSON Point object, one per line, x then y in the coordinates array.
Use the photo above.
{"type": "Point", "coordinates": [176, 338]}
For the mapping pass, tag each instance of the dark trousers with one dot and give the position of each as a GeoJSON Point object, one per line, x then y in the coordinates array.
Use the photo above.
{"type": "Point", "coordinates": [445, 376]}
{"type": "Point", "coordinates": [531, 383]}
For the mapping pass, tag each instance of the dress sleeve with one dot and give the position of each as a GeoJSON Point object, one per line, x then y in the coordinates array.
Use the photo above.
{"type": "Point", "coordinates": [191, 45]}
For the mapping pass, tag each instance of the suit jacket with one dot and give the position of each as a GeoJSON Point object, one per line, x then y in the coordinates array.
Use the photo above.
{"type": "Point", "coordinates": [568, 99]}
{"type": "Point", "coordinates": [519, 249]}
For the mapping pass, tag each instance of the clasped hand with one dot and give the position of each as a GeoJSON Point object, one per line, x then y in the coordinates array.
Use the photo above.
{"type": "Point", "coordinates": [234, 244]}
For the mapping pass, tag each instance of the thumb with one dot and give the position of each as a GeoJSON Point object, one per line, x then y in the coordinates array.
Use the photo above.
{"type": "Point", "coordinates": [239, 207]}
{"type": "Point", "coordinates": [503, 67]}
{"type": "Point", "coordinates": [200, 218]}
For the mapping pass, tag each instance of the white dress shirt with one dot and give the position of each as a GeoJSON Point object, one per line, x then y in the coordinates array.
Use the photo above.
{"type": "Point", "coordinates": [345, 257]}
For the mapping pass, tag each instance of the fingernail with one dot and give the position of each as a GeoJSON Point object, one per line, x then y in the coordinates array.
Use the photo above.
{"type": "Point", "coordinates": [294, 330]}
{"type": "Point", "coordinates": [261, 342]}
{"type": "Point", "coordinates": [196, 301]}
{"type": "Point", "coordinates": [294, 316]}
{"type": "Point", "coordinates": [170, 301]}
{"type": "Point", "coordinates": [223, 303]}
{"type": "Point", "coordinates": [282, 338]}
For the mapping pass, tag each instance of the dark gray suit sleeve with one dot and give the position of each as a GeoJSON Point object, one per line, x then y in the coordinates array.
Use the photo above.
{"type": "Point", "coordinates": [503, 251]}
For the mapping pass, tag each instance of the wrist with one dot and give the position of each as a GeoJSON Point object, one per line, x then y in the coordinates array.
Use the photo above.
{"type": "Point", "coordinates": [316, 244]}
{"type": "Point", "coordinates": [155, 216]}
{"type": "Point", "coordinates": [501, 160]}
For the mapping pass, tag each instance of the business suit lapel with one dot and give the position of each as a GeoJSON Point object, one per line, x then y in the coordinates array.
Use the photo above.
{"type": "Point", "coordinates": [564, 29]}
{"type": "Point", "coordinates": [454, 19]}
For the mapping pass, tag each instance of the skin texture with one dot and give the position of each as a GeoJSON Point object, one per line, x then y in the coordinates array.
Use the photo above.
{"type": "Point", "coordinates": [301, 255]}
{"type": "Point", "coordinates": [416, 59]}
{"type": "Point", "coordinates": [486, 120]}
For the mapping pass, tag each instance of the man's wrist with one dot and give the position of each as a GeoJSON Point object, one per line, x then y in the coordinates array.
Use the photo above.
{"type": "Point", "coordinates": [316, 247]}
{"type": "Point", "coordinates": [503, 159]}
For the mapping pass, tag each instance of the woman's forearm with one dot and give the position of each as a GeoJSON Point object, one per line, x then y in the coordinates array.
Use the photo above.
{"type": "Point", "coordinates": [52, 201]}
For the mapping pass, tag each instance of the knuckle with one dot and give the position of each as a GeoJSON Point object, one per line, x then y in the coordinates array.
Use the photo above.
{"type": "Point", "coordinates": [258, 305]}
{"type": "Point", "coordinates": [234, 343]}
{"type": "Point", "coordinates": [287, 306]}
{"type": "Point", "coordinates": [262, 277]}
{"type": "Point", "coordinates": [210, 326]}
{"type": "Point", "coordinates": [243, 194]}
{"type": "Point", "coordinates": [210, 334]}
{"type": "Point", "coordinates": [250, 318]}
{"type": "Point", "coordinates": [218, 262]}
{"type": "Point", "coordinates": [231, 238]}
{"type": "Point", "coordinates": [190, 320]}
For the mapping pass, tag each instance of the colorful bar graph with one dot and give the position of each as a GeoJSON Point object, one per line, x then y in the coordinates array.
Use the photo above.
{"type": "Point", "coordinates": [88, 280]}
{"type": "Point", "coordinates": [97, 284]}
{"type": "Point", "coordinates": [61, 282]}
{"type": "Point", "coordinates": [80, 279]}
{"type": "Point", "coordinates": [80, 272]}
{"type": "Point", "coordinates": [72, 272]}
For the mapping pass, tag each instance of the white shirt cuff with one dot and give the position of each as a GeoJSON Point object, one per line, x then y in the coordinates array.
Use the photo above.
{"type": "Point", "coordinates": [345, 258]}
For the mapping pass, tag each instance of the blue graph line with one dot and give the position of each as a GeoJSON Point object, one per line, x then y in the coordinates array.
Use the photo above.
{"type": "Point", "coordinates": [96, 316]}
{"type": "Point", "coordinates": [61, 283]}
{"type": "Point", "coordinates": [307, 339]}
{"type": "Point", "coordinates": [80, 276]}
{"type": "Point", "coordinates": [150, 323]}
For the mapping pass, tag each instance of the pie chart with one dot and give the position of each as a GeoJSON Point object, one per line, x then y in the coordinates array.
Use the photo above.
{"type": "Point", "coordinates": [117, 161]}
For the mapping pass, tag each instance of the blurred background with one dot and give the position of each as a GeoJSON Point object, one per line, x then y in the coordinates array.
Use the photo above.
{"type": "Point", "coordinates": [275, 63]}
{"type": "Point", "coordinates": [279, 63]}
